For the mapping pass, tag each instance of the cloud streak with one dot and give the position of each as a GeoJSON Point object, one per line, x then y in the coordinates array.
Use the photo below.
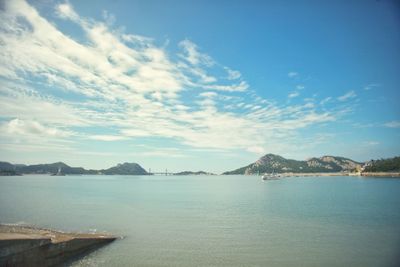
{"type": "Point", "coordinates": [392, 124]}
{"type": "Point", "coordinates": [347, 96]}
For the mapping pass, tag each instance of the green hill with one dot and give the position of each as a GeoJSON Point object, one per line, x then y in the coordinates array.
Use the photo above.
{"type": "Point", "coordinates": [275, 163]}
{"type": "Point", "coordinates": [383, 165]}
{"type": "Point", "coordinates": [126, 169]}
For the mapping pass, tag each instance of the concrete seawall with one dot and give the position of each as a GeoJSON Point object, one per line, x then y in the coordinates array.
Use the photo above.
{"type": "Point", "coordinates": [26, 246]}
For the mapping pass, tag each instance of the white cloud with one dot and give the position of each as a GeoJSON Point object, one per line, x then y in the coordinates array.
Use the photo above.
{"type": "Point", "coordinates": [17, 128]}
{"type": "Point", "coordinates": [309, 105]}
{"type": "Point", "coordinates": [233, 74]}
{"type": "Point", "coordinates": [347, 96]}
{"type": "Point", "coordinates": [371, 86]}
{"type": "Point", "coordinates": [105, 60]}
{"type": "Point", "coordinates": [240, 87]}
{"type": "Point", "coordinates": [18, 101]}
{"type": "Point", "coordinates": [192, 55]}
{"type": "Point", "coordinates": [392, 124]}
{"type": "Point", "coordinates": [293, 94]}
{"type": "Point", "coordinates": [293, 74]}
{"type": "Point", "coordinates": [300, 87]}
{"type": "Point", "coordinates": [107, 137]}
{"type": "Point", "coordinates": [325, 100]}
{"type": "Point", "coordinates": [65, 10]}
{"type": "Point", "coordinates": [203, 76]}
{"type": "Point", "coordinates": [208, 94]}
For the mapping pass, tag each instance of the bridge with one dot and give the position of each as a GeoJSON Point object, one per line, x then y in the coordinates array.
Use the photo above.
{"type": "Point", "coordinates": [160, 173]}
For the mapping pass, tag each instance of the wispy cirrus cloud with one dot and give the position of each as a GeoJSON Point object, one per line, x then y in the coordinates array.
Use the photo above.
{"type": "Point", "coordinates": [326, 100]}
{"type": "Point", "coordinates": [192, 55]}
{"type": "Point", "coordinates": [392, 124]}
{"type": "Point", "coordinates": [293, 94]}
{"type": "Point", "coordinates": [233, 74]}
{"type": "Point", "coordinates": [371, 86]}
{"type": "Point", "coordinates": [55, 85]}
{"type": "Point", "coordinates": [348, 95]}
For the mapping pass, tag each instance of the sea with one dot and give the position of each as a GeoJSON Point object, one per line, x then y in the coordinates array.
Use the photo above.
{"type": "Point", "coordinates": [216, 220]}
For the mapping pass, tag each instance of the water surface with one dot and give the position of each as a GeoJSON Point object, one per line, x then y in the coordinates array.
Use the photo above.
{"type": "Point", "coordinates": [217, 220]}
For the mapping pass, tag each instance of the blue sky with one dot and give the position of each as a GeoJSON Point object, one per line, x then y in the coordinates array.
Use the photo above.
{"type": "Point", "coordinates": [197, 85]}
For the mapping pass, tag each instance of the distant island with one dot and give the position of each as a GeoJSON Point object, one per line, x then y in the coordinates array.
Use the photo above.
{"type": "Point", "coordinates": [270, 163]}
{"type": "Point", "coordinates": [60, 168]}
{"type": "Point", "coordinates": [126, 168]}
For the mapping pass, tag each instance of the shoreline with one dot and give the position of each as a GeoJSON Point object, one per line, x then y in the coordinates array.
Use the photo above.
{"type": "Point", "coordinates": [330, 174]}
{"type": "Point", "coordinates": [381, 174]}
{"type": "Point", "coordinates": [363, 174]}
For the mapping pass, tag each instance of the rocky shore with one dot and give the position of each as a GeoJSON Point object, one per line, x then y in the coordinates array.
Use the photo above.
{"type": "Point", "coordinates": [29, 246]}
{"type": "Point", "coordinates": [381, 174]}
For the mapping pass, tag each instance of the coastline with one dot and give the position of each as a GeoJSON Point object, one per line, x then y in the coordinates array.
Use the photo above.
{"type": "Point", "coordinates": [311, 174]}
{"type": "Point", "coordinates": [326, 174]}
{"type": "Point", "coordinates": [381, 174]}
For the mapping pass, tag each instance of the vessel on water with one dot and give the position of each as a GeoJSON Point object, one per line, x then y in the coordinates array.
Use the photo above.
{"type": "Point", "coordinates": [59, 173]}
{"type": "Point", "coordinates": [270, 176]}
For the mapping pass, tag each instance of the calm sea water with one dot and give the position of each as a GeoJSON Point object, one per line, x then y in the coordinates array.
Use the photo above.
{"type": "Point", "coordinates": [217, 220]}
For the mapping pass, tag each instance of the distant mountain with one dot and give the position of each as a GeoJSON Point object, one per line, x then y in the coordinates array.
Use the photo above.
{"type": "Point", "coordinates": [126, 169]}
{"type": "Point", "coordinates": [193, 173]}
{"type": "Point", "coordinates": [383, 165]}
{"type": "Point", "coordinates": [7, 168]}
{"type": "Point", "coordinates": [50, 168]}
{"type": "Point", "coordinates": [275, 163]}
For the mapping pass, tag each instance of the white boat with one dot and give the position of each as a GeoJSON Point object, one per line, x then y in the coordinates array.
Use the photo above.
{"type": "Point", "coordinates": [59, 173]}
{"type": "Point", "coordinates": [270, 176]}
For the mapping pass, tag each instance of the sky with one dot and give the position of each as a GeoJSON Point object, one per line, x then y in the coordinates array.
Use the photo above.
{"type": "Point", "coordinates": [197, 85]}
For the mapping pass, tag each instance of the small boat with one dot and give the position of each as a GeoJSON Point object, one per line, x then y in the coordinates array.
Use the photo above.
{"type": "Point", "coordinates": [270, 176]}
{"type": "Point", "coordinates": [59, 173]}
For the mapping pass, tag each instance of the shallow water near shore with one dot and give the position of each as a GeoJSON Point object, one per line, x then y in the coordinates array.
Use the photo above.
{"type": "Point", "coordinates": [217, 220]}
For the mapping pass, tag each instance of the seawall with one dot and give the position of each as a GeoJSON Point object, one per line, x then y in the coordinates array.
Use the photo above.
{"type": "Point", "coordinates": [27, 246]}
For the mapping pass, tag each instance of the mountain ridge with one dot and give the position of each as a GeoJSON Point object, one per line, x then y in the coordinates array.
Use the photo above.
{"type": "Point", "coordinates": [275, 163]}
{"type": "Point", "coordinates": [126, 168]}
